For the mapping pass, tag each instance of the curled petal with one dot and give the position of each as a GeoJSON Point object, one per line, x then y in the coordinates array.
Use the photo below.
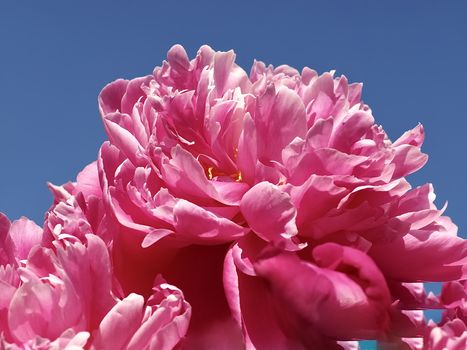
{"type": "Point", "coordinates": [347, 299]}
{"type": "Point", "coordinates": [196, 224]}
{"type": "Point", "coordinates": [422, 255]}
{"type": "Point", "coordinates": [24, 234]}
{"type": "Point", "coordinates": [270, 214]}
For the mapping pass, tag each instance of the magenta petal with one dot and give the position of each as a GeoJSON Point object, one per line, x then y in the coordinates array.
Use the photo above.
{"type": "Point", "coordinates": [422, 256]}
{"type": "Point", "coordinates": [247, 150]}
{"type": "Point", "coordinates": [165, 323]}
{"type": "Point", "coordinates": [408, 159]}
{"type": "Point", "coordinates": [154, 236]}
{"type": "Point", "coordinates": [132, 98]}
{"type": "Point", "coordinates": [230, 282]}
{"type": "Point", "coordinates": [252, 307]}
{"type": "Point", "coordinates": [198, 225]}
{"type": "Point", "coordinates": [282, 118]}
{"type": "Point", "coordinates": [122, 321]}
{"type": "Point", "coordinates": [222, 66]}
{"type": "Point", "coordinates": [321, 84]}
{"type": "Point", "coordinates": [89, 270]}
{"type": "Point", "coordinates": [178, 59]}
{"type": "Point", "coordinates": [414, 137]}
{"type": "Point", "coordinates": [123, 139]}
{"type": "Point", "coordinates": [343, 305]}
{"type": "Point", "coordinates": [111, 96]}
{"type": "Point", "coordinates": [185, 177]}
{"type": "Point", "coordinates": [227, 75]}
{"type": "Point", "coordinates": [335, 256]}
{"type": "Point", "coordinates": [25, 234]}
{"type": "Point", "coordinates": [315, 198]}
{"type": "Point", "coordinates": [31, 310]}
{"type": "Point", "coordinates": [87, 181]}
{"type": "Point", "coordinates": [319, 134]}
{"type": "Point", "coordinates": [69, 339]}
{"type": "Point", "coordinates": [230, 192]}
{"type": "Point", "coordinates": [270, 214]}
{"type": "Point", "coordinates": [351, 129]}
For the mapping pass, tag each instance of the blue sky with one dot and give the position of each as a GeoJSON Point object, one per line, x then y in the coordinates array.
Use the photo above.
{"type": "Point", "coordinates": [57, 55]}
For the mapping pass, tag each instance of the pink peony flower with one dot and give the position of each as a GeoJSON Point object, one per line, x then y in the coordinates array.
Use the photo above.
{"type": "Point", "coordinates": [287, 177]}
{"type": "Point", "coordinates": [62, 298]}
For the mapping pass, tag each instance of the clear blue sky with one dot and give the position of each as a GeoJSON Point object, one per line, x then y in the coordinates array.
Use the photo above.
{"type": "Point", "coordinates": [55, 56]}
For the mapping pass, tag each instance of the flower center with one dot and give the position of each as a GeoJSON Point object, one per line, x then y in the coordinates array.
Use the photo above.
{"type": "Point", "coordinates": [212, 172]}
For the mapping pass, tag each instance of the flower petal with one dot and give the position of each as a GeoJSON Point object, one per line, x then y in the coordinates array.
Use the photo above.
{"type": "Point", "coordinates": [270, 214]}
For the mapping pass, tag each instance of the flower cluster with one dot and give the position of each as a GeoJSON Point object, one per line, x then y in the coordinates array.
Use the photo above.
{"type": "Point", "coordinates": [272, 200]}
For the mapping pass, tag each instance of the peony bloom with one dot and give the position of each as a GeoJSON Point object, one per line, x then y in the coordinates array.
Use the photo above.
{"type": "Point", "coordinates": [61, 298]}
{"type": "Point", "coordinates": [271, 196]}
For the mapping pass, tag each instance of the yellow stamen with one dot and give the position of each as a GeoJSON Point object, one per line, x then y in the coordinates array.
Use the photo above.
{"type": "Point", "coordinates": [210, 172]}
{"type": "Point", "coordinates": [213, 172]}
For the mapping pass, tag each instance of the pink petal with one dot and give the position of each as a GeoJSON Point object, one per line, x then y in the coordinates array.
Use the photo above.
{"type": "Point", "coordinates": [154, 236]}
{"type": "Point", "coordinates": [196, 224]}
{"type": "Point", "coordinates": [270, 214]}
{"type": "Point", "coordinates": [340, 306]}
{"type": "Point", "coordinates": [25, 234]}
{"type": "Point", "coordinates": [251, 304]}
{"type": "Point", "coordinates": [185, 177]}
{"type": "Point", "coordinates": [407, 160]}
{"type": "Point", "coordinates": [166, 324]}
{"type": "Point", "coordinates": [121, 323]}
{"type": "Point", "coordinates": [281, 118]}
{"type": "Point", "coordinates": [178, 59]}
{"type": "Point", "coordinates": [422, 256]}
{"type": "Point", "coordinates": [414, 137]}
{"type": "Point", "coordinates": [351, 130]}
{"type": "Point", "coordinates": [89, 270]}
{"type": "Point", "coordinates": [123, 139]}
{"type": "Point", "coordinates": [88, 181]}
{"type": "Point", "coordinates": [111, 96]}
